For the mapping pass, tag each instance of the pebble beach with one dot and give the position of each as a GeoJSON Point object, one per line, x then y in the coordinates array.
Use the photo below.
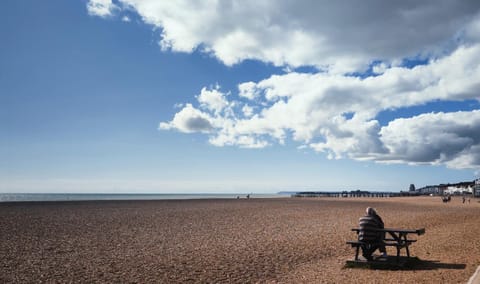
{"type": "Point", "coordinates": [286, 240]}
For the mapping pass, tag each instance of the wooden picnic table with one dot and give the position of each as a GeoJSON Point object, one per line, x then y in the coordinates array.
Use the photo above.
{"type": "Point", "coordinates": [396, 237]}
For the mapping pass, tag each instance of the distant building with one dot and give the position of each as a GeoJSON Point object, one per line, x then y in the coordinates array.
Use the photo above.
{"type": "Point", "coordinates": [412, 187]}
{"type": "Point", "coordinates": [468, 187]}
{"type": "Point", "coordinates": [476, 188]}
{"type": "Point", "coordinates": [430, 189]}
{"type": "Point", "coordinates": [460, 188]}
{"type": "Point", "coordinates": [442, 188]}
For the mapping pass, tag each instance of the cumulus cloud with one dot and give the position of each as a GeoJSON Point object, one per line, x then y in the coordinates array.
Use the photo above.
{"type": "Point", "coordinates": [248, 90]}
{"type": "Point", "coordinates": [337, 114]}
{"type": "Point", "coordinates": [438, 138]}
{"type": "Point", "coordinates": [213, 100]}
{"type": "Point", "coordinates": [338, 36]}
{"type": "Point", "coordinates": [247, 111]}
{"type": "Point", "coordinates": [334, 110]}
{"type": "Point", "coordinates": [189, 120]}
{"type": "Point", "coordinates": [101, 8]}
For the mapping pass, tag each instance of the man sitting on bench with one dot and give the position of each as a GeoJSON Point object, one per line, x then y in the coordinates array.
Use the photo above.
{"type": "Point", "coordinates": [373, 239]}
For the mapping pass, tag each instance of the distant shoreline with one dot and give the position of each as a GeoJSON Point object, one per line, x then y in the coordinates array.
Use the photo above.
{"type": "Point", "coordinates": [52, 197]}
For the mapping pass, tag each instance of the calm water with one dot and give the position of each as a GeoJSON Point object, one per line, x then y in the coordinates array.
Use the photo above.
{"type": "Point", "coordinates": [9, 197]}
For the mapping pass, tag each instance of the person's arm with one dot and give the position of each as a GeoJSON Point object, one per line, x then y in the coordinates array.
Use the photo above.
{"type": "Point", "coordinates": [379, 221]}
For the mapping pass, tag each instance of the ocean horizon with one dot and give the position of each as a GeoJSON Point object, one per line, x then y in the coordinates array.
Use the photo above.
{"type": "Point", "coordinates": [21, 197]}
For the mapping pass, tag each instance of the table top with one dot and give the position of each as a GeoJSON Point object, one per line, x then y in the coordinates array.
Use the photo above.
{"type": "Point", "coordinates": [396, 230]}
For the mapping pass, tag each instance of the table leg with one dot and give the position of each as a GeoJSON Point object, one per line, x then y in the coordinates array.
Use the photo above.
{"type": "Point", "coordinates": [406, 245]}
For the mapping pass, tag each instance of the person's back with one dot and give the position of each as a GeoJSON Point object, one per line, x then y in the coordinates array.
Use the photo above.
{"type": "Point", "coordinates": [374, 239]}
{"type": "Point", "coordinates": [370, 222]}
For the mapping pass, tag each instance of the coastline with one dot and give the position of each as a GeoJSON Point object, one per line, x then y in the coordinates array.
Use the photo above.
{"type": "Point", "coordinates": [34, 197]}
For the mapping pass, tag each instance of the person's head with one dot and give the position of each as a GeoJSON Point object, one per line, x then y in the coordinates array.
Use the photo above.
{"type": "Point", "coordinates": [371, 211]}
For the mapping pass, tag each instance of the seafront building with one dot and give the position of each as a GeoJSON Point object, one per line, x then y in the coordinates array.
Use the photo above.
{"type": "Point", "coordinates": [461, 188]}
{"type": "Point", "coordinates": [476, 188]}
{"type": "Point", "coordinates": [431, 189]}
{"type": "Point", "coordinates": [470, 188]}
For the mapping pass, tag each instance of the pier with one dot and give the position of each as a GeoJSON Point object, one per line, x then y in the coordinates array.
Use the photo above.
{"type": "Point", "coordinates": [356, 193]}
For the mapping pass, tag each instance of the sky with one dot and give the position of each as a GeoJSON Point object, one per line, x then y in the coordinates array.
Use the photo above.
{"type": "Point", "coordinates": [238, 96]}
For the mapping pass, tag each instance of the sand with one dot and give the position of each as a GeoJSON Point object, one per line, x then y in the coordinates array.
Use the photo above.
{"type": "Point", "coordinates": [291, 240]}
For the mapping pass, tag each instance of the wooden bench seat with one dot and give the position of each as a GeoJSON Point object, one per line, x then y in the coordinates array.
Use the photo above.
{"type": "Point", "coordinates": [396, 238]}
{"type": "Point", "coordinates": [388, 242]}
{"type": "Point", "coordinates": [393, 240]}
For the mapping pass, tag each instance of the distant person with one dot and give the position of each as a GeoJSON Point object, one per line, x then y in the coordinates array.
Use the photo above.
{"type": "Point", "coordinates": [447, 198]}
{"type": "Point", "coordinates": [463, 199]}
{"type": "Point", "coordinates": [373, 239]}
{"type": "Point", "coordinates": [248, 196]}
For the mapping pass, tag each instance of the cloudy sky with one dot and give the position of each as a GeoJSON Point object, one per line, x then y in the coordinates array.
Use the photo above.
{"type": "Point", "coordinates": [238, 96]}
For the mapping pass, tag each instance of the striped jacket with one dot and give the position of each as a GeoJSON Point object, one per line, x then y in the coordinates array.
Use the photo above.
{"type": "Point", "coordinates": [370, 222]}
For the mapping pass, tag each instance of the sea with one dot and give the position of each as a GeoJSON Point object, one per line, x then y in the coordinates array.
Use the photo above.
{"type": "Point", "coordinates": [20, 197]}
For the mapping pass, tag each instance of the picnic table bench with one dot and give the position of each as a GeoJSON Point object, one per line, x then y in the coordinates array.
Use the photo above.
{"type": "Point", "coordinates": [393, 237]}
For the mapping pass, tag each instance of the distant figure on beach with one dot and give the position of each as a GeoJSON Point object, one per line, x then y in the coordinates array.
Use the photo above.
{"type": "Point", "coordinates": [248, 196]}
{"type": "Point", "coordinates": [446, 199]}
{"type": "Point", "coordinates": [371, 221]}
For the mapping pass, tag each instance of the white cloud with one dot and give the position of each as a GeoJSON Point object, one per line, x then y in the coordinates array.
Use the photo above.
{"type": "Point", "coordinates": [126, 19]}
{"type": "Point", "coordinates": [248, 90]}
{"type": "Point", "coordinates": [340, 36]}
{"type": "Point", "coordinates": [101, 8]}
{"type": "Point", "coordinates": [331, 111]}
{"type": "Point", "coordinates": [242, 141]}
{"type": "Point", "coordinates": [247, 111]}
{"type": "Point", "coordinates": [434, 138]}
{"type": "Point", "coordinates": [336, 114]}
{"type": "Point", "coordinates": [379, 68]}
{"type": "Point", "coordinates": [213, 100]}
{"type": "Point", "coordinates": [189, 120]}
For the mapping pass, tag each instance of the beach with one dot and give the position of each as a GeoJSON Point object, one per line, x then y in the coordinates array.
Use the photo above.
{"type": "Point", "coordinates": [287, 240]}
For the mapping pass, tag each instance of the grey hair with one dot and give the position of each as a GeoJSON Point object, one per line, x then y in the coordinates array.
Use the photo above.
{"type": "Point", "coordinates": [371, 211]}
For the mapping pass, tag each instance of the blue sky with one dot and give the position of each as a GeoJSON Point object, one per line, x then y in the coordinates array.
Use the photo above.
{"type": "Point", "coordinates": [236, 97]}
